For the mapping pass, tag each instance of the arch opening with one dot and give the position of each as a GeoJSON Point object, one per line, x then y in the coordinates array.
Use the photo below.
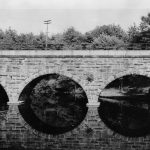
{"type": "Point", "coordinates": [125, 105]}
{"type": "Point", "coordinates": [3, 104]}
{"type": "Point", "coordinates": [3, 99]}
{"type": "Point", "coordinates": [53, 104]}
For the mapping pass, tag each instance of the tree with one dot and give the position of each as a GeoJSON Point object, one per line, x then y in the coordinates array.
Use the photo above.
{"type": "Point", "coordinates": [2, 35]}
{"type": "Point", "coordinates": [56, 42]}
{"type": "Point", "coordinates": [108, 42]}
{"type": "Point", "coordinates": [26, 41]}
{"type": "Point", "coordinates": [110, 30]}
{"type": "Point", "coordinates": [145, 23]}
{"type": "Point", "coordinates": [134, 37]}
{"type": "Point", "coordinates": [133, 31]}
{"type": "Point", "coordinates": [9, 39]}
{"type": "Point", "coordinates": [39, 42]}
{"type": "Point", "coordinates": [140, 38]}
{"type": "Point", "coordinates": [72, 39]}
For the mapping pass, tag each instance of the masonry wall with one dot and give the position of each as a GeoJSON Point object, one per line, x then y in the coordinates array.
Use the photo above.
{"type": "Point", "coordinates": [17, 69]}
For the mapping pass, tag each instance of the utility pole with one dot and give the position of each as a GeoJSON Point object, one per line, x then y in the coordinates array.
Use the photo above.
{"type": "Point", "coordinates": [47, 22]}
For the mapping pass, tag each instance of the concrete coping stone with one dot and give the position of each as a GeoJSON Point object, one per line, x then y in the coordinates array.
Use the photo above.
{"type": "Point", "coordinates": [75, 53]}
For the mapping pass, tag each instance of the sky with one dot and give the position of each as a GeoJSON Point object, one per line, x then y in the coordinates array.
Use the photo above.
{"type": "Point", "coordinates": [27, 16]}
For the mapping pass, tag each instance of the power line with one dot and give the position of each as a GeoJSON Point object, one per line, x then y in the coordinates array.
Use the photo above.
{"type": "Point", "coordinates": [47, 22]}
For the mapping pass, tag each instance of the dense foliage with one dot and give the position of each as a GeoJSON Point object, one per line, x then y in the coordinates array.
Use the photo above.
{"type": "Point", "coordinates": [102, 37]}
{"type": "Point", "coordinates": [139, 36]}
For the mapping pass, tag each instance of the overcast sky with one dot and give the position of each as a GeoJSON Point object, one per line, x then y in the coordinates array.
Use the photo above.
{"type": "Point", "coordinates": [28, 15]}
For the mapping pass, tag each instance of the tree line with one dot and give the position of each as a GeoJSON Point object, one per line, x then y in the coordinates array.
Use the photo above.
{"type": "Point", "coordinates": [105, 37]}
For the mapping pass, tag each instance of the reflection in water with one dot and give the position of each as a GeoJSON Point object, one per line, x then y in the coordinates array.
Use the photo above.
{"type": "Point", "coordinates": [3, 111]}
{"type": "Point", "coordinates": [15, 147]}
{"type": "Point", "coordinates": [53, 104]}
{"type": "Point", "coordinates": [125, 105]}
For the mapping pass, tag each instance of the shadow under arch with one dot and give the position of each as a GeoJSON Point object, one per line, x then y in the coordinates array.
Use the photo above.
{"type": "Point", "coordinates": [3, 99]}
{"type": "Point", "coordinates": [53, 103]}
{"type": "Point", "coordinates": [121, 74]}
{"type": "Point", "coordinates": [33, 76]}
{"type": "Point", "coordinates": [125, 105]}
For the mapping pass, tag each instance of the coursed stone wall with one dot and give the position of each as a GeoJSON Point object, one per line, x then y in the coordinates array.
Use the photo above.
{"type": "Point", "coordinates": [93, 70]}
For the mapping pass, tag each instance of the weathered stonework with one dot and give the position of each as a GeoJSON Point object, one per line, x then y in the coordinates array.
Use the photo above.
{"type": "Point", "coordinates": [93, 70]}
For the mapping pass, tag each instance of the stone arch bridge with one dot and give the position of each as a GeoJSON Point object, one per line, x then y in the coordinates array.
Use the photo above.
{"type": "Point", "coordinates": [93, 71]}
